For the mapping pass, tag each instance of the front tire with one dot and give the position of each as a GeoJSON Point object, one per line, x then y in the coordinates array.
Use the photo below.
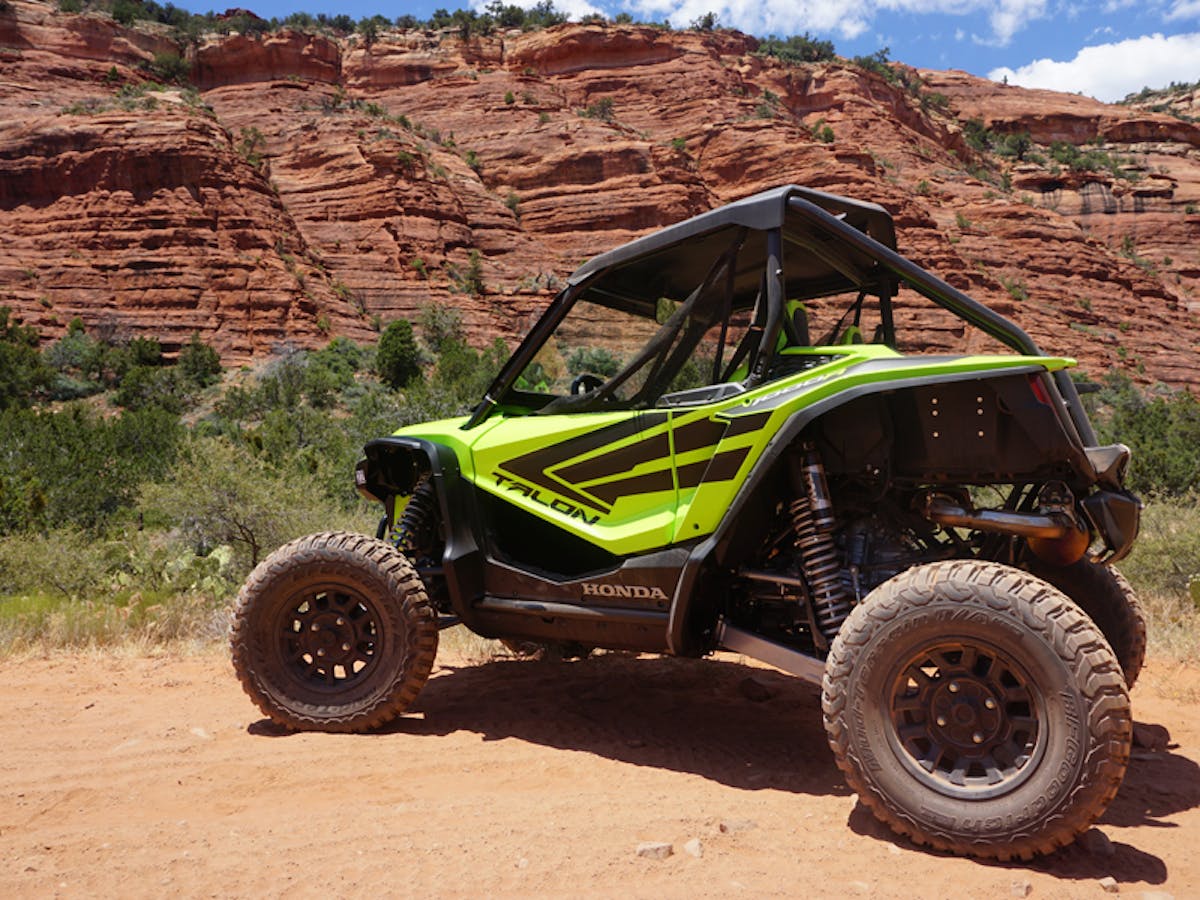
{"type": "Point", "coordinates": [333, 632]}
{"type": "Point", "coordinates": [976, 709]}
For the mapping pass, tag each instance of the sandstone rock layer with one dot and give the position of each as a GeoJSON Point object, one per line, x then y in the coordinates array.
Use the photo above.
{"type": "Point", "coordinates": [316, 186]}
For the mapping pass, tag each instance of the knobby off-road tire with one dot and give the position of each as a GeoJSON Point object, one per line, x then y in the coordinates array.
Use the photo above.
{"type": "Point", "coordinates": [978, 710]}
{"type": "Point", "coordinates": [333, 632]}
{"type": "Point", "coordinates": [1103, 593]}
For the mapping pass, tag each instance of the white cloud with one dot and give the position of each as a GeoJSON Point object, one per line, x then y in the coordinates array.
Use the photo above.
{"type": "Point", "coordinates": [1010, 16]}
{"type": "Point", "coordinates": [1183, 9]}
{"type": "Point", "coordinates": [1110, 71]}
{"type": "Point", "coordinates": [846, 18]}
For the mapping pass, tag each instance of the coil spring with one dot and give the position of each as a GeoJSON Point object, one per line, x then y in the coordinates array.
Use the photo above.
{"type": "Point", "coordinates": [414, 532]}
{"type": "Point", "coordinates": [813, 521]}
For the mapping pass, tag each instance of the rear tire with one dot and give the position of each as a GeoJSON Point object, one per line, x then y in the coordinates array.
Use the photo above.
{"type": "Point", "coordinates": [976, 709]}
{"type": "Point", "coordinates": [1103, 593]}
{"type": "Point", "coordinates": [333, 632]}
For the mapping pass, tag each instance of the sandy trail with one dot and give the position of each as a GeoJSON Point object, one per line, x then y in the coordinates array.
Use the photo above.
{"type": "Point", "coordinates": [156, 776]}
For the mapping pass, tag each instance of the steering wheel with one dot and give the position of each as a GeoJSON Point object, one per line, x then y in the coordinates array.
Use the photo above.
{"type": "Point", "coordinates": [585, 383]}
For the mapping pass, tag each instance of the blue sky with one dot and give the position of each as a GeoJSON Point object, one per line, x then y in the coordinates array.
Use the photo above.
{"type": "Point", "coordinates": [1102, 48]}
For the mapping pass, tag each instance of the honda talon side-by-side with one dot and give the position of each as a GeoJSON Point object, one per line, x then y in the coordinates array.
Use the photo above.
{"type": "Point", "coordinates": [725, 436]}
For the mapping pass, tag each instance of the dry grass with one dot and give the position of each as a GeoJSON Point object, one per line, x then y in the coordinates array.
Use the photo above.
{"type": "Point", "coordinates": [1173, 623]}
{"type": "Point", "coordinates": [43, 623]}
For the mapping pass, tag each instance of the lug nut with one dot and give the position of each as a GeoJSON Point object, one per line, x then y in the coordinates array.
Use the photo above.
{"type": "Point", "coordinates": [989, 703]}
{"type": "Point", "coordinates": [315, 627]}
{"type": "Point", "coordinates": [321, 652]}
{"type": "Point", "coordinates": [941, 720]}
{"type": "Point", "coordinates": [341, 621]}
{"type": "Point", "coordinates": [977, 738]}
{"type": "Point", "coordinates": [345, 646]}
{"type": "Point", "coordinates": [954, 687]}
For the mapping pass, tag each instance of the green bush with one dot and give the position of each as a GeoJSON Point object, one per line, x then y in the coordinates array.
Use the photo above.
{"type": "Point", "coordinates": [34, 564]}
{"type": "Point", "coordinates": [170, 67]}
{"type": "Point", "coordinates": [128, 11]}
{"type": "Point", "coordinates": [1162, 430]}
{"type": "Point", "coordinates": [440, 325]}
{"type": "Point", "coordinates": [879, 62]}
{"type": "Point", "coordinates": [23, 374]}
{"type": "Point", "coordinates": [397, 358]}
{"type": "Point", "coordinates": [1167, 552]}
{"type": "Point", "coordinates": [147, 386]}
{"type": "Point", "coordinates": [596, 360]}
{"type": "Point", "coordinates": [199, 363]}
{"type": "Point", "coordinates": [219, 493]}
{"type": "Point", "coordinates": [799, 48]}
{"type": "Point", "coordinates": [601, 109]}
{"type": "Point", "coordinates": [74, 467]}
{"type": "Point", "coordinates": [470, 279]}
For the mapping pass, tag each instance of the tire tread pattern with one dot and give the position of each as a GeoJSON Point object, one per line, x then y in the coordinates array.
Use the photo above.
{"type": "Point", "coordinates": [1103, 593]}
{"type": "Point", "coordinates": [1077, 642]}
{"type": "Point", "coordinates": [416, 616]}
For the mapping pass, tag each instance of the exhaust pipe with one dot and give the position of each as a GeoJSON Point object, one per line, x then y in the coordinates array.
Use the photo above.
{"type": "Point", "coordinates": [1053, 526]}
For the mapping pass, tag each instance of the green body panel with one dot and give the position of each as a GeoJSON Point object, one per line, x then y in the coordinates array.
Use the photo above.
{"type": "Point", "coordinates": [636, 481]}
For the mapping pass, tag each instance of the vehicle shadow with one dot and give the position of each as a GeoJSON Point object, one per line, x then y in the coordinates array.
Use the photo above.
{"type": "Point", "coordinates": [745, 727]}
{"type": "Point", "coordinates": [693, 716]}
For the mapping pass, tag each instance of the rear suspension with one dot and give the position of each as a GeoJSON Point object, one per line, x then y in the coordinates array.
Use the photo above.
{"type": "Point", "coordinates": [813, 523]}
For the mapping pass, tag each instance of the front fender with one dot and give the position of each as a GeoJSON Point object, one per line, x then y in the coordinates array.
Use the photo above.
{"type": "Point", "coordinates": [392, 467]}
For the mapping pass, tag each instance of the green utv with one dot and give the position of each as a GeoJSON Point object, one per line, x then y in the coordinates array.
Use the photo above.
{"type": "Point", "coordinates": [711, 441]}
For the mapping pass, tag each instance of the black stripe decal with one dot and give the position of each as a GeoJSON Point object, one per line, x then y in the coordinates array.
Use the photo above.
{"type": "Point", "coordinates": [701, 433]}
{"type": "Point", "coordinates": [745, 424]}
{"type": "Point", "coordinates": [534, 467]}
{"type": "Point", "coordinates": [649, 483]}
{"type": "Point", "coordinates": [617, 461]}
{"type": "Point", "coordinates": [722, 467]}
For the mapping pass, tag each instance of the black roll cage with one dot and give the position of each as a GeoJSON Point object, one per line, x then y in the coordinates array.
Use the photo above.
{"type": "Point", "coordinates": [866, 228]}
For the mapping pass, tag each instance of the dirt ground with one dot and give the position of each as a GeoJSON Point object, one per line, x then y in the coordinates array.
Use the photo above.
{"type": "Point", "coordinates": [138, 776]}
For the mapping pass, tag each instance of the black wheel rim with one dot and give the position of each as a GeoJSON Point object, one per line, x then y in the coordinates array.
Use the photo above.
{"type": "Point", "coordinates": [966, 720]}
{"type": "Point", "coordinates": [329, 638]}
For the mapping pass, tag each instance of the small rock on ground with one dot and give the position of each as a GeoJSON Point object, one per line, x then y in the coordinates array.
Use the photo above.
{"type": "Point", "coordinates": [732, 826]}
{"type": "Point", "coordinates": [694, 848]}
{"type": "Point", "coordinates": [1150, 737]}
{"type": "Point", "coordinates": [1096, 842]}
{"type": "Point", "coordinates": [1021, 888]}
{"type": "Point", "coordinates": [1109, 885]}
{"type": "Point", "coordinates": [654, 850]}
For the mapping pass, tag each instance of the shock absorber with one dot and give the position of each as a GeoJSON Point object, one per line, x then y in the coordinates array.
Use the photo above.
{"type": "Point", "coordinates": [414, 532]}
{"type": "Point", "coordinates": [813, 522]}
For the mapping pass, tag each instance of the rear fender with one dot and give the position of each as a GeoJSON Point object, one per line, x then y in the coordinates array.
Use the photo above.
{"type": "Point", "coordinates": [687, 625]}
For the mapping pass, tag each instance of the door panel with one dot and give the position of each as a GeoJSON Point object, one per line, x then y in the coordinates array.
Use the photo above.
{"type": "Point", "coordinates": [605, 477]}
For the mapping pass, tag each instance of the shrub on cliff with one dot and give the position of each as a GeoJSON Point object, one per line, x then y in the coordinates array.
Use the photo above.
{"type": "Point", "coordinates": [397, 359]}
{"type": "Point", "coordinates": [199, 363]}
{"type": "Point", "coordinates": [799, 48]}
{"type": "Point", "coordinates": [126, 12]}
{"type": "Point", "coordinates": [23, 374]}
{"type": "Point", "coordinates": [170, 67]}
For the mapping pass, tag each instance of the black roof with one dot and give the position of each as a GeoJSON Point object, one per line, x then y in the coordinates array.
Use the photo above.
{"type": "Point", "coordinates": [667, 262]}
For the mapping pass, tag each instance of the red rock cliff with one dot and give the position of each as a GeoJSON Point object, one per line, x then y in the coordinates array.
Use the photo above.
{"type": "Point", "coordinates": [316, 186]}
